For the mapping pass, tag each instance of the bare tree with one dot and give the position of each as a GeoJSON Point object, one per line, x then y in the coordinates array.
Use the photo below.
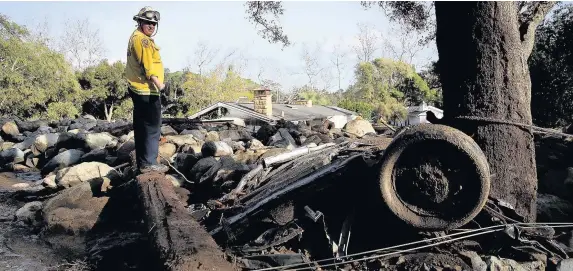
{"type": "Point", "coordinates": [41, 34]}
{"type": "Point", "coordinates": [338, 60]}
{"type": "Point", "coordinates": [81, 44]}
{"type": "Point", "coordinates": [204, 56]}
{"type": "Point", "coordinates": [367, 43]}
{"type": "Point", "coordinates": [312, 68]}
{"type": "Point", "coordinates": [404, 44]}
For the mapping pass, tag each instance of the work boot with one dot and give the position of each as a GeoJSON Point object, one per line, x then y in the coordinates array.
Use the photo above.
{"type": "Point", "coordinates": [157, 168]}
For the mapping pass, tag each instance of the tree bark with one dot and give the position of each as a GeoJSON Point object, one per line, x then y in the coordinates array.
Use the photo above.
{"type": "Point", "coordinates": [179, 242]}
{"type": "Point", "coordinates": [483, 61]}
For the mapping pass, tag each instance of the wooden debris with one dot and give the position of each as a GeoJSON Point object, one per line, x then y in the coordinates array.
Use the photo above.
{"type": "Point", "coordinates": [179, 242]}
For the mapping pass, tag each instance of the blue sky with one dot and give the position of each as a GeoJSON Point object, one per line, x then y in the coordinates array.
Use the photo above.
{"type": "Point", "coordinates": [223, 25]}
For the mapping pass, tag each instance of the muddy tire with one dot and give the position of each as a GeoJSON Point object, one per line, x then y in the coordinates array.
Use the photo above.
{"type": "Point", "coordinates": [434, 177]}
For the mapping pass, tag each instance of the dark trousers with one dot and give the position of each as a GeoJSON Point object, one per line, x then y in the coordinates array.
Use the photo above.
{"type": "Point", "coordinates": [146, 128]}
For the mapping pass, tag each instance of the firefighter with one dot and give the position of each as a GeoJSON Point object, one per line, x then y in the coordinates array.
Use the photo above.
{"type": "Point", "coordinates": [144, 71]}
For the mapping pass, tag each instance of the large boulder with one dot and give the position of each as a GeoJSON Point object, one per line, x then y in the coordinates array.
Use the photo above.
{"type": "Point", "coordinates": [12, 155]}
{"type": "Point", "coordinates": [125, 138]}
{"type": "Point", "coordinates": [565, 265]}
{"type": "Point", "coordinates": [97, 155]}
{"type": "Point", "coordinates": [255, 144]}
{"type": "Point", "coordinates": [359, 127]}
{"type": "Point", "coordinates": [193, 148]}
{"type": "Point", "coordinates": [99, 140]}
{"type": "Point", "coordinates": [212, 136]}
{"type": "Point", "coordinates": [125, 149]}
{"type": "Point", "coordinates": [26, 144]}
{"type": "Point", "coordinates": [199, 170]}
{"type": "Point", "coordinates": [31, 213]}
{"type": "Point", "coordinates": [234, 135]}
{"type": "Point", "coordinates": [216, 148]}
{"type": "Point", "coordinates": [62, 160]}
{"type": "Point", "coordinates": [195, 133]}
{"type": "Point", "coordinates": [181, 140]}
{"type": "Point", "coordinates": [84, 172]}
{"type": "Point", "coordinates": [184, 162]}
{"type": "Point", "coordinates": [70, 140]}
{"type": "Point", "coordinates": [42, 142]}
{"type": "Point", "coordinates": [10, 129]}
{"type": "Point", "coordinates": [551, 208]}
{"type": "Point", "coordinates": [167, 130]}
{"type": "Point", "coordinates": [265, 132]}
{"type": "Point", "coordinates": [32, 125]}
{"type": "Point", "coordinates": [236, 145]}
{"type": "Point", "coordinates": [167, 150]}
{"type": "Point", "coordinates": [6, 145]}
{"type": "Point", "coordinates": [71, 214]}
{"type": "Point", "coordinates": [218, 174]}
{"type": "Point", "coordinates": [282, 139]}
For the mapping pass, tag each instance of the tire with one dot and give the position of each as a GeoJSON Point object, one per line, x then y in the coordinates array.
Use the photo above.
{"type": "Point", "coordinates": [434, 177]}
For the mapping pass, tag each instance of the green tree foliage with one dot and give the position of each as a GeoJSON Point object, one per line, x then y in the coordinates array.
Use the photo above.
{"type": "Point", "coordinates": [58, 110]}
{"type": "Point", "coordinates": [218, 85]}
{"type": "Point", "coordinates": [175, 81]}
{"type": "Point", "coordinates": [318, 97]}
{"type": "Point", "coordinates": [432, 77]}
{"type": "Point", "coordinates": [105, 87]}
{"type": "Point", "coordinates": [551, 68]}
{"type": "Point", "coordinates": [387, 86]}
{"type": "Point", "coordinates": [124, 110]}
{"type": "Point", "coordinates": [31, 75]}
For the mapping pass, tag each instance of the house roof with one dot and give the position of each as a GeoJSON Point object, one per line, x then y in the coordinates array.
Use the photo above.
{"type": "Point", "coordinates": [302, 112]}
{"type": "Point", "coordinates": [280, 111]}
{"type": "Point", "coordinates": [232, 106]}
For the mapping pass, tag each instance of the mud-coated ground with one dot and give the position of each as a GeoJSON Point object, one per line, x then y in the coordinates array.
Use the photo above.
{"type": "Point", "coordinates": [21, 249]}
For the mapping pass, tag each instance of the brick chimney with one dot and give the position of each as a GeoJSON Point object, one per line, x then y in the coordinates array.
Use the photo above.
{"type": "Point", "coordinates": [263, 103]}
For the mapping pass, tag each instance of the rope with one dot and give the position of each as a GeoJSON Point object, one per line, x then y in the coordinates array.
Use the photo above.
{"type": "Point", "coordinates": [537, 129]}
{"type": "Point", "coordinates": [480, 231]}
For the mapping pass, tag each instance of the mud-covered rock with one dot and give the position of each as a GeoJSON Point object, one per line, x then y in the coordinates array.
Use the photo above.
{"type": "Point", "coordinates": [266, 132]}
{"type": "Point", "coordinates": [167, 130]}
{"type": "Point", "coordinates": [62, 160]}
{"type": "Point", "coordinates": [195, 133]}
{"type": "Point", "coordinates": [85, 172]}
{"type": "Point", "coordinates": [282, 139]}
{"type": "Point", "coordinates": [71, 214]}
{"type": "Point", "coordinates": [31, 213]}
{"type": "Point", "coordinates": [181, 140]}
{"type": "Point", "coordinates": [12, 155]}
{"type": "Point", "coordinates": [216, 148]}
{"type": "Point", "coordinates": [234, 135]}
{"type": "Point", "coordinates": [551, 208]}
{"type": "Point", "coordinates": [202, 166]}
{"type": "Point", "coordinates": [97, 155]}
{"type": "Point", "coordinates": [125, 149]}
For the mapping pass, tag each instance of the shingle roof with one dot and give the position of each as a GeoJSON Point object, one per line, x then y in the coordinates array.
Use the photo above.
{"type": "Point", "coordinates": [280, 111]}
{"type": "Point", "coordinates": [302, 112]}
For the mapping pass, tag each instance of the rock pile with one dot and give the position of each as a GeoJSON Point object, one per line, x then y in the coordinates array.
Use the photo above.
{"type": "Point", "coordinates": [284, 194]}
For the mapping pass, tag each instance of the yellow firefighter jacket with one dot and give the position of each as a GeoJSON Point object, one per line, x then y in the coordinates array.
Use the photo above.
{"type": "Point", "coordinates": [143, 61]}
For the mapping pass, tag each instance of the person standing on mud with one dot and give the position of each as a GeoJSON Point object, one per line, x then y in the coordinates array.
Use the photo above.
{"type": "Point", "coordinates": [145, 74]}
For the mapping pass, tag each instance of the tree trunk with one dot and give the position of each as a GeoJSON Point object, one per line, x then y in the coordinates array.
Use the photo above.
{"type": "Point", "coordinates": [108, 112]}
{"type": "Point", "coordinates": [179, 242]}
{"type": "Point", "coordinates": [483, 63]}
